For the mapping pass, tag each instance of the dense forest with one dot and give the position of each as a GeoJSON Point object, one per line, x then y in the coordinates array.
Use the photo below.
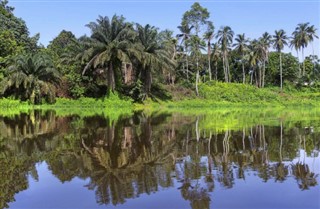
{"type": "Point", "coordinates": [140, 61]}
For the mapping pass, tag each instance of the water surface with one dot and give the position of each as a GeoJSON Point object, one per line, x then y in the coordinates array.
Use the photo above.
{"type": "Point", "coordinates": [220, 159]}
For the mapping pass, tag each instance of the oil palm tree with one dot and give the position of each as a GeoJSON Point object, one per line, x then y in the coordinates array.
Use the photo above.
{"type": "Point", "coordinates": [302, 38]}
{"type": "Point", "coordinates": [209, 36]}
{"type": "Point", "coordinates": [185, 35]}
{"type": "Point", "coordinates": [154, 57]}
{"type": "Point", "coordinates": [30, 76]}
{"type": "Point", "coordinates": [110, 44]}
{"type": "Point", "coordinates": [225, 36]}
{"type": "Point", "coordinates": [279, 41]}
{"type": "Point", "coordinates": [241, 46]}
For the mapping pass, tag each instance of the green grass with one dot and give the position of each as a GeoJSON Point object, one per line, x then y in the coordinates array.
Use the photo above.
{"type": "Point", "coordinates": [213, 95]}
{"type": "Point", "coordinates": [112, 106]}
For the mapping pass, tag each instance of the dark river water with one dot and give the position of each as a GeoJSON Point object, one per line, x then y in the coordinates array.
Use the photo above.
{"type": "Point", "coordinates": [160, 160]}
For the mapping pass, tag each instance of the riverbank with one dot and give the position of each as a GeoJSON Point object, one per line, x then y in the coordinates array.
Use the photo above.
{"type": "Point", "coordinates": [211, 95]}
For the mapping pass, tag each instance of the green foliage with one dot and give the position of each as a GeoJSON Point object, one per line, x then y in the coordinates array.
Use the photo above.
{"type": "Point", "coordinates": [197, 16]}
{"type": "Point", "coordinates": [30, 77]}
{"type": "Point", "coordinates": [232, 92]}
{"type": "Point", "coordinates": [8, 22]}
{"type": "Point", "coordinates": [290, 67]}
{"type": "Point", "coordinates": [8, 44]}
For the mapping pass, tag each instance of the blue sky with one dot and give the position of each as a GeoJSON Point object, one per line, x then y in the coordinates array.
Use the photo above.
{"type": "Point", "coordinates": [49, 17]}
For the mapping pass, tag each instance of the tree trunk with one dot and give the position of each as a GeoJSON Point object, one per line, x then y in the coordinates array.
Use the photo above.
{"type": "Point", "coordinates": [299, 69]}
{"type": "Point", "coordinates": [148, 81]}
{"type": "Point", "coordinates": [224, 69]}
{"type": "Point", "coordinates": [197, 79]}
{"type": "Point", "coordinates": [260, 77]}
{"type": "Point", "coordinates": [228, 70]}
{"type": "Point", "coordinates": [243, 74]}
{"type": "Point", "coordinates": [216, 72]}
{"type": "Point", "coordinates": [209, 61]}
{"type": "Point", "coordinates": [111, 82]}
{"type": "Point", "coordinates": [187, 63]}
{"type": "Point", "coordinates": [280, 72]}
{"type": "Point", "coordinates": [263, 73]}
{"type": "Point", "coordinates": [304, 65]}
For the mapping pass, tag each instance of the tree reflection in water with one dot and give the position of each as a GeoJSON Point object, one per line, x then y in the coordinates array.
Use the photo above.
{"type": "Point", "coordinates": [142, 154]}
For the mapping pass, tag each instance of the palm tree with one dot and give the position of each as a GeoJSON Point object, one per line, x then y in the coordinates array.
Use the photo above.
{"type": "Point", "coordinates": [216, 53]}
{"type": "Point", "coordinates": [252, 58]}
{"type": "Point", "coordinates": [302, 38]}
{"type": "Point", "coordinates": [29, 77]}
{"type": "Point", "coordinates": [279, 41]}
{"type": "Point", "coordinates": [265, 43]}
{"type": "Point", "coordinates": [225, 36]}
{"type": "Point", "coordinates": [242, 47]}
{"type": "Point", "coordinates": [185, 34]}
{"type": "Point", "coordinates": [154, 56]}
{"type": "Point", "coordinates": [295, 43]}
{"type": "Point", "coordinates": [169, 42]}
{"type": "Point", "coordinates": [312, 34]}
{"type": "Point", "coordinates": [110, 44]}
{"type": "Point", "coordinates": [259, 50]}
{"type": "Point", "coordinates": [209, 36]}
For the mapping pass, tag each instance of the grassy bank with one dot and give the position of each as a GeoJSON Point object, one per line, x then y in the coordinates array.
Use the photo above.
{"type": "Point", "coordinates": [211, 95]}
{"type": "Point", "coordinates": [217, 94]}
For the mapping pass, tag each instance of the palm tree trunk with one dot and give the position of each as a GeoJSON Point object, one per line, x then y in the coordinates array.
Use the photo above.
{"type": "Point", "coordinates": [304, 65]}
{"type": "Point", "coordinates": [228, 70]}
{"type": "Point", "coordinates": [111, 82]}
{"type": "Point", "coordinates": [187, 63]}
{"type": "Point", "coordinates": [299, 69]}
{"type": "Point", "coordinates": [148, 81]}
{"type": "Point", "coordinates": [280, 72]}
{"type": "Point", "coordinates": [216, 71]}
{"type": "Point", "coordinates": [243, 71]}
{"type": "Point", "coordinates": [197, 78]}
{"type": "Point", "coordinates": [263, 73]}
{"type": "Point", "coordinates": [260, 77]}
{"type": "Point", "coordinates": [224, 69]}
{"type": "Point", "coordinates": [209, 61]}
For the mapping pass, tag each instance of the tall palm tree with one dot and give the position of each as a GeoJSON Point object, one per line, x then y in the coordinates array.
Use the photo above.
{"type": "Point", "coordinates": [302, 38]}
{"type": "Point", "coordinates": [169, 42]}
{"type": "Point", "coordinates": [265, 43]}
{"type": "Point", "coordinates": [110, 44]}
{"type": "Point", "coordinates": [279, 41]}
{"type": "Point", "coordinates": [209, 36]}
{"type": "Point", "coordinates": [253, 59]}
{"type": "Point", "coordinates": [259, 50]}
{"type": "Point", "coordinates": [185, 35]}
{"type": "Point", "coordinates": [312, 34]}
{"type": "Point", "coordinates": [154, 56]}
{"type": "Point", "coordinates": [30, 76]}
{"type": "Point", "coordinates": [241, 46]}
{"type": "Point", "coordinates": [216, 53]}
{"type": "Point", "coordinates": [295, 43]}
{"type": "Point", "coordinates": [225, 36]}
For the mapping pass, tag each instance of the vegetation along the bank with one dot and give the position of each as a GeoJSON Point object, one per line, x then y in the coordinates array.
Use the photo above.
{"type": "Point", "coordinates": [122, 62]}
